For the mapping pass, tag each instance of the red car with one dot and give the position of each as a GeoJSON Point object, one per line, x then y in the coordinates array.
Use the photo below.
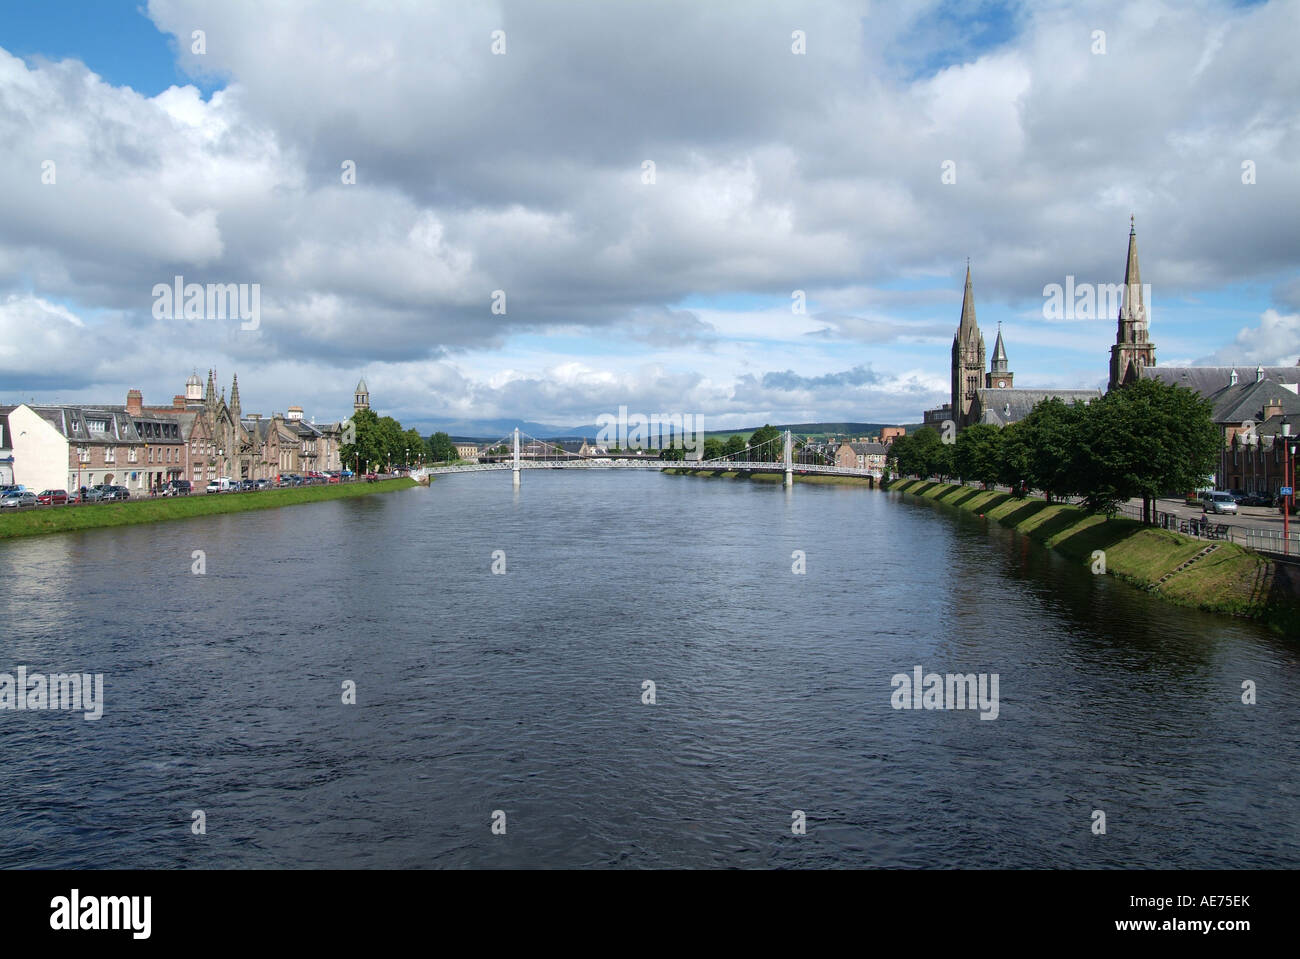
{"type": "Point", "coordinates": [52, 497]}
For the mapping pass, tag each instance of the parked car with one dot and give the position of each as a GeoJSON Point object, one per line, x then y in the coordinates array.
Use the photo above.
{"type": "Point", "coordinates": [246, 486]}
{"type": "Point", "coordinates": [52, 497]}
{"type": "Point", "coordinates": [178, 487]}
{"type": "Point", "coordinates": [17, 499]}
{"type": "Point", "coordinates": [1218, 503]}
{"type": "Point", "coordinates": [372, 477]}
{"type": "Point", "coordinates": [118, 493]}
{"type": "Point", "coordinates": [1255, 499]}
{"type": "Point", "coordinates": [262, 484]}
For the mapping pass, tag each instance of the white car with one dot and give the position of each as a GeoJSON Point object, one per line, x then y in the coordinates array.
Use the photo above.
{"type": "Point", "coordinates": [1218, 503]}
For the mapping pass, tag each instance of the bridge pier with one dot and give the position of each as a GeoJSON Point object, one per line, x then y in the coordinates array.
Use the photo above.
{"type": "Point", "coordinates": [516, 469]}
{"type": "Point", "coordinates": [789, 471]}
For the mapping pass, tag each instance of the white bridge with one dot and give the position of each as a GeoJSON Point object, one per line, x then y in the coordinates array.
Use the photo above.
{"type": "Point", "coordinates": [776, 455]}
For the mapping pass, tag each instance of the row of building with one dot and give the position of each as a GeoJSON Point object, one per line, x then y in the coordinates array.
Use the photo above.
{"type": "Point", "coordinates": [202, 436]}
{"type": "Point", "coordinates": [1250, 406]}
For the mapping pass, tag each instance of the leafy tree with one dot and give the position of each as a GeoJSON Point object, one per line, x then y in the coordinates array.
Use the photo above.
{"type": "Point", "coordinates": [1146, 439]}
{"type": "Point", "coordinates": [367, 448]}
{"type": "Point", "coordinates": [1054, 434]}
{"type": "Point", "coordinates": [1013, 459]}
{"type": "Point", "coordinates": [735, 443]}
{"type": "Point", "coordinates": [922, 454]}
{"type": "Point", "coordinates": [441, 448]}
{"type": "Point", "coordinates": [764, 434]}
{"type": "Point", "coordinates": [413, 444]}
{"type": "Point", "coordinates": [713, 448]}
{"type": "Point", "coordinates": [977, 453]}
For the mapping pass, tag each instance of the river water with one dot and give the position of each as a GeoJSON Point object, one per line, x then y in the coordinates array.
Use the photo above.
{"type": "Point", "coordinates": [522, 691]}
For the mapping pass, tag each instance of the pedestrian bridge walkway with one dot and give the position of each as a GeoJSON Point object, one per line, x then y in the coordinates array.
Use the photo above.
{"type": "Point", "coordinates": [777, 455]}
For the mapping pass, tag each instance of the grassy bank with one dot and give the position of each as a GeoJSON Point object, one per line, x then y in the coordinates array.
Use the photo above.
{"type": "Point", "coordinates": [1229, 580]}
{"type": "Point", "coordinates": [55, 519]}
{"type": "Point", "coordinates": [813, 478]}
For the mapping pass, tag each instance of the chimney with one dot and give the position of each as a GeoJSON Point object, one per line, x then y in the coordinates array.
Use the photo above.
{"type": "Point", "coordinates": [1259, 373]}
{"type": "Point", "coordinates": [134, 402]}
{"type": "Point", "coordinates": [1272, 408]}
{"type": "Point", "coordinates": [178, 402]}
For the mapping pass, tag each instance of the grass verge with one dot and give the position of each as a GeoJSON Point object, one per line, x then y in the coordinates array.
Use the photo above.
{"type": "Point", "coordinates": [57, 519]}
{"type": "Point", "coordinates": [1230, 580]}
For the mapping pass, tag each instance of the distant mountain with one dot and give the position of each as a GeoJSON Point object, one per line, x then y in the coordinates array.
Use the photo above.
{"type": "Point", "coordinates": [489, 430]}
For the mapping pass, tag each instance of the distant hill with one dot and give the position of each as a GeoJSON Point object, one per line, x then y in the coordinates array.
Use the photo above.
{"type": "Point", "coordinates": [489, 430]}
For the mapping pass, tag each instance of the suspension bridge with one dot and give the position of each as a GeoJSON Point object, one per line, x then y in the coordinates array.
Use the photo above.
{"type": "Point", "coordinates": [781, 454]}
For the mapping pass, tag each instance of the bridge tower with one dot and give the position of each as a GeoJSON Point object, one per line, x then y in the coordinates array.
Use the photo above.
{"type": "Point", "coordinates": [789, 470]}
{"type": "Point", "coordinates": [516, 470]}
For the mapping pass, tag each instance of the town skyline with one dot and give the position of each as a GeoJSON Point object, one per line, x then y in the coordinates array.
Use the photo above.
{"type": "Point", "coordinates": [678, 292]}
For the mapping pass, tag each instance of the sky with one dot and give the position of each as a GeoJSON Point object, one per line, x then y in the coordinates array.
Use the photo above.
{"type": "Point", "coordinates": [751, 213]}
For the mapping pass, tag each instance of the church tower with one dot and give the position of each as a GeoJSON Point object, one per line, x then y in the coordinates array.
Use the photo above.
{"type": "Point", "coordinates": [967, 358]}
{"type": "Point", "coordinates": [361, 401]}
{"type": "Point", "coordinates": [998, 376]}
{"type": "Point", "coordinates": [1133, 349]}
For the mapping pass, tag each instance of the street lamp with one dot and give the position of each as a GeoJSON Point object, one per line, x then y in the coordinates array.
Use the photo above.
{"type": "Point", "coordinates": [1288, 472]}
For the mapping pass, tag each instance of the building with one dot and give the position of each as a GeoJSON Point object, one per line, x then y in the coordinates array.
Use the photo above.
{"type": "Point", "coordinates": [1133, 350]}
{"type": "Point", "coordinates": [862, 455]}
{"type": "Point", "coordinates": [468, 452]}
{"type": "Point", "coordinates": [1249, 411]}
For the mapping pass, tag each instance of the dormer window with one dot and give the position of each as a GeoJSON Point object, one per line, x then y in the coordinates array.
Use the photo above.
{"type": "Point", "coordinates": [97, 426]}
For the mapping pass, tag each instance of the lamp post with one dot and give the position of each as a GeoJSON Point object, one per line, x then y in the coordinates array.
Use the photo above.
{"type": "Point", "coordinates": [1288, 453]}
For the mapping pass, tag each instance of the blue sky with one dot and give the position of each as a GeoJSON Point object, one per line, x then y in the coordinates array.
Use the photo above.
{"type": "Point", "coordinates": [819, 173]}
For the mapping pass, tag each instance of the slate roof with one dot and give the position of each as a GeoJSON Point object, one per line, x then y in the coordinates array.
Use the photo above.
{"type": "Point", "coordinates": [1233, 404]}
{"type": "Point", "coordinates": [1001, 407]}
{"type": "Point", "coordinates": [869, 449]}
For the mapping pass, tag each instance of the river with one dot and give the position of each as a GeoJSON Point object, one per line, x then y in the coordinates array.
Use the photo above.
{"type": "Point", "coordinates": [522, 691]}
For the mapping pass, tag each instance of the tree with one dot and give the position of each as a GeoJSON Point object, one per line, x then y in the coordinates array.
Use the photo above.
{"type": "Point", "coordinates": [441, 448]}
{"type": "Point", "coordinates": [413, 444]}
{"type": "Point", "coordinates": [1013, 459]}
{"type": "Point", "coordinates": [367, 446]}
{"type": "Point", "coordinates": [735, 443]}
{"type": "Point", "coordinates": [922, 454]}
{"type": "Point", "coordinates": [1053, 433]}
{"type": "Point", "coordinates": [764, 434]}
{"type": "Point", "coordinates": [1146, 439]}
{"type": "Point", "coordinates": [977, 454]}
{"type": "Point", "coordinates": [713, 448]}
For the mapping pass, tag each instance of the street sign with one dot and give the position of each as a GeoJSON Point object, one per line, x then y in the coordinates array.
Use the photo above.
{"type": "Point", "coordinates": [1285, 491]}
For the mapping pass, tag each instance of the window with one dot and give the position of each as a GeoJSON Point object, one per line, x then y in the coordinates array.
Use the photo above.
{"type": "Point", "coordinates": [110, 454]}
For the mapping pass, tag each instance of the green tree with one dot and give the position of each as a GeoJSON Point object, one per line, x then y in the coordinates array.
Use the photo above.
{"type": "Point", "coordinates": [1146, 439]}
{"type": "Point", "coordinates": [1013, 459]}
{"type": "Point", "coordinates": [441, 448]}
{"type": "Point", "coordinates": [764, 434]}
{"type": "Point", "coordinates": [413, 444]}
{"type": "Point", "coordinates": [922, 454]}
{"type": "Point", "coordinates": [1054, 434]}
{"type": "Point", "coordinates": [735, 443]}
{"type": "Point", "coordinates": [977, 454]}
{"type": "Point", "coordinates": [367, 448]}
{"type": "Point", "coordinates": [713, 447]}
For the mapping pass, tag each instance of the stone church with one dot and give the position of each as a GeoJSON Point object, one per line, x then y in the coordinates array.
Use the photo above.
{"type": "Point", "coordinates": [988, 396]}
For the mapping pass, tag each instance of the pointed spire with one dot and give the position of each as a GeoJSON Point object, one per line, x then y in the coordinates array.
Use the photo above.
{"type": "Point", "coordinates": [967, 306]}
{"type": "Point", "coordinates": [1133, 308]}
{"type": "Point", "coordinates": [234, 396]}
{"type": "Point", "coordinates": [211, 395]}
{"type": "Point", "coordinates": [999, 351]}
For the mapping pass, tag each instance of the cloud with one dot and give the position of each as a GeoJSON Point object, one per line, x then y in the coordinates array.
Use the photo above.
{"type": "Point", "coordinates": [523, 173]}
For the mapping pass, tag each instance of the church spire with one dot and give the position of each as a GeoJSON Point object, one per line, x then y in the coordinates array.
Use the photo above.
{"type": "Point", "coordinates": [967, 308]}
{"type": "Point", "coordinates": [1133, 349]}
{"type": "Point", "coordinates": [999, 353]}
{"type": "Point", "coordinates": [1133, 309]}
{"type": "Point", "coordinates": [210, 397]}
{"type": "Point", "coordinates": [234, 397]}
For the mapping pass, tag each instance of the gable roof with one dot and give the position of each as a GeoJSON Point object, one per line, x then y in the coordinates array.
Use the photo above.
{"type": "Point", "coordinates": [1002, 407]}
{"type": "Point", "coordinates": [1233, 404]}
